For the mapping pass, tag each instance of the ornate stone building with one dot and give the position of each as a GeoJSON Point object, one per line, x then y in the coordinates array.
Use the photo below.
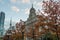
{"type": "Point", "coordinates": [31, 19]}
{"type": "Point", "coordinates": [29, 24]}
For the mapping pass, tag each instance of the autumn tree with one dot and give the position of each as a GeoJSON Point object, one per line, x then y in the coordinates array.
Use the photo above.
{"type": "Point", "coordinates": [52, 9]}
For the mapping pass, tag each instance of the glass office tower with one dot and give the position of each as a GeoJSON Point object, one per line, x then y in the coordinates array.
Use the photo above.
{"type": "Point", "coordinates": [2, 18]}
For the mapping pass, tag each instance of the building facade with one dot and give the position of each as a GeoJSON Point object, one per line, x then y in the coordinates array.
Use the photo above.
{"type": "Point", "coordinates": [32, 19]}
{"type": "Point", "coordinates": [2, 18]}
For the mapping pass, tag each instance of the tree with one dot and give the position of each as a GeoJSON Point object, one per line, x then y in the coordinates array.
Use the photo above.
{"type": "Point", "coordinates": [52, 9]}
{"type": "Point", "coordinates": [42, 22]}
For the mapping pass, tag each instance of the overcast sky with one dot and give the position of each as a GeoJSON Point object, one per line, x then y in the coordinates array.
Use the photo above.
{"type": "Point", "coordinates": [17, 9]}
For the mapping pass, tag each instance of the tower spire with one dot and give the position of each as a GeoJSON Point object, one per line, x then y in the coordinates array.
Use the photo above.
{"type": "Point", "coordinates": [32, 5]}
{"type": "Point", "coordinates": [10, 22]}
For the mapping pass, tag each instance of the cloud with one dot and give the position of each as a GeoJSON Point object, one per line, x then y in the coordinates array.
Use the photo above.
{"type": "Point", "coordinates": [34, 2]}
{"type": "Point", "coordinates": [13, 1]}
{"type": "Point", "coordinates": [14, 8]}
{"type": "Point", "coordinates": [25, 1]}
{"type": "Point", "coordinates": [46, 0]}
{"type": "Point", "coordinates": [39, 4]}
{"type": "Point", "coordinates": [0, 0]}
{"type": "Point", "coordinates": [27, 11]}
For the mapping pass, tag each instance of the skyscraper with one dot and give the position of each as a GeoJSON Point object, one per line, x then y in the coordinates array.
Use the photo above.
{"type": "Point", "coordinates": [2, 18]}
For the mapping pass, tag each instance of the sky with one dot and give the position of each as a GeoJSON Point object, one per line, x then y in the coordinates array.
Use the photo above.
{"type": "Point", "coordinates": [17, 9]}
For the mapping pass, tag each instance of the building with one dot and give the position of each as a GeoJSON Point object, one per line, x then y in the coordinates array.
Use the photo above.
{"type": "Point", "coordinates": [11, 26]}
{"type": "Point", "coordinates": [29, 24]}
{"type": "Point", "coordinates": [20, 30]}
{"type": "Point", "coordinates": [31, 19]}
{"type": "Point", "coordinates": [9, 32]}
{"type": "Point", "coordinates": [2, 18]}
{"type": "Point", "coordinates": [15, 34]}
